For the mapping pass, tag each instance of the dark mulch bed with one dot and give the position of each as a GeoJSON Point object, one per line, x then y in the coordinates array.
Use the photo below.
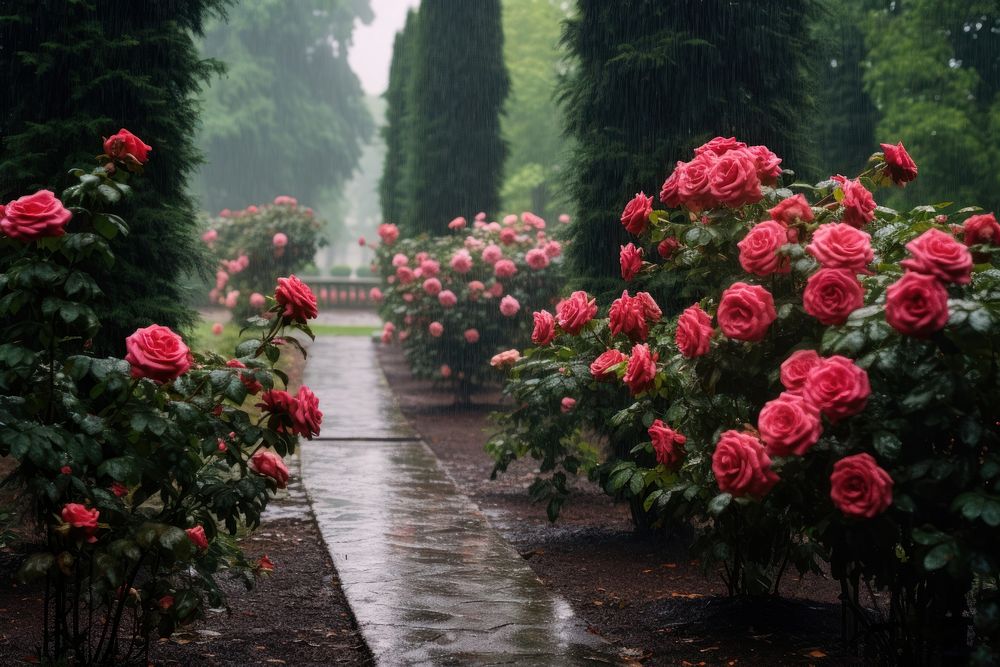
{"type": "Point", "coordinates": [643, 594]}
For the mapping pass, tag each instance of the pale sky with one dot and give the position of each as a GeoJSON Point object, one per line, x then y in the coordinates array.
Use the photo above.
{"type": "Point", "coordinates": [372, 49]}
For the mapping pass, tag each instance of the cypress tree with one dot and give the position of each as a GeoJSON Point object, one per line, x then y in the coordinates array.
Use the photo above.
{"type": "Point", "coordinates": [392, 189]}
{"type": "Point", "coordinates": [454, 151]}
{"type": "Point", "coordinates": [76, 71]}
{"type": "Point", "coordinates": [652, 80]}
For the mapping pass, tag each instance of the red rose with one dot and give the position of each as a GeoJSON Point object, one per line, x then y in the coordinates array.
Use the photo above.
{"type": "Point", "coordinates": [641, 370]}
{"type": "Point", "coordinates": [841, 246]}
{"type": "Point", "coordinates": [667, 443]}
{"type": "Point", "coordinates": [789, 425]}
{"type": "Point", "coordinates": [767, 163]}
{"type": "Point", "coordinates": [759, 249]}
{"type": "Point", "coordinates": [719, 146]}
{"type": "Point", "coordinates": [742, 466]}
{"type": "Point", "coordinates": [669, 192]}
{"type": "Point", "coordinates": [157, 353]}
{"type": "Point", "coordinates": [545, 328]}
{"type": "Point", "coordinates": [649, 307]}
{"type": "Point", "coordinates": [635, 217]}
{"type": "Point", "coordinates": [916, 305]}
{"type": "Point", "coordinates": [296, 297]}
{"type": "Point", "coordinates": [859, 487]}
{"type": "Point", "coordinates": [279, 405]}
{"type": "Point", "coordinates": [574, 312]}
{"type": "Point", "coordinates": [858, 203]}
{"type": "Point", "coordinates": [628, 316]}
{"type": "Point", "coordinates": [249, 381]}
{"type": "Point", "coordinates": [796, 368]}
{"type": "Point", "coordinates": [978, 229]}
{"type": "Point", "coordinates": [746, 312]}
{"type": "Point", "coordinates": [899, 166]}
{"type": "Point", "coordinates": [631, 261]}
{"type": "Point", "coordinates": [694, 332]}
{"type": "Point", "coordinates": [34, 217]}
{"type": "Point", "coordinates": [124, 145]}
{"type": "Point", "coordinates": [791, 210]}
{"type": "Point", "coordinates": [265, 564]}
{"type": "Point", "coordinates": [832, 294]}
{"type": "Point", "coordinates": [667, 247]}
{"type": "Point", "coordinates": [733, 180]}
{"type": "Point", "coordinates": [81, 519]}
{"type": "Point", "coordinates": [693, 184]}
{"type": "Point", "coordinates": [271, 465]}
{"type": "Point", "coordinates": [601, 367]}
{"type": "Point", "coordinates": [306, 415]}
{"type": "Point", "coordinates": [197, 537]}
{"type": "Point", "coordinates": [838, 387]}
{"type": "Point", "coordinates": [941, 255]}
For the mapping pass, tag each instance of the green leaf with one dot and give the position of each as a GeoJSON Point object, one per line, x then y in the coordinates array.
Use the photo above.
{"type": "Point", "coordinates": [719, 503]}
{"type": "Point", "coordinates": [35, 567]}
{"type": "Point", "coordinates": [887, 444]}
{"type": "Point", "coordinates": [122, 468]}
{"type": "Point", "coordinates": [940, 556]}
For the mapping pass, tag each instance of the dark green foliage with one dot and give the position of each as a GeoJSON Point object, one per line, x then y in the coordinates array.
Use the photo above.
{"type": "Point", "coordinates": [652, 80]}
{"type": "Point", "coordinates": [76, 71]}
{"type": "Point", "coordinates": [454, 153]}
{"type": "Point", "coordinates": [289, 116]}
{"type": "Point", "coordinates": [392, 190]}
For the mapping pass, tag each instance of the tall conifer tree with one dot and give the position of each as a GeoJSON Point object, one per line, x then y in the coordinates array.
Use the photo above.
{"type": "Point", "coordinates": [454, 153]}
{"type": "Point", "coordinates": [392, 189]}
{"type": "Point", "coordinates": [74, 71]}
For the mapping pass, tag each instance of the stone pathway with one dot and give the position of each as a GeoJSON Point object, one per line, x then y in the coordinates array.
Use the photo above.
{"type": "Point", "coordinates": [429, 581]}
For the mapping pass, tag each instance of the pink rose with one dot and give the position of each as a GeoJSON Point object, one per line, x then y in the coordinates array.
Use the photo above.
{"type": "Point", "coordinates": [81, 519]}
{"type": "Point", "coordinates": [435, 329]}
{"type": "Point", "coordinates": [296, 298]}
{"type": "Point", "coordinates": [388, 233]}
{"type": "Point", "coordinates": [480, 216]}
{"type": "Point", "coordinates": [375, 294]}
{"type": "Point", "coordinates": [508, 235]}
{"type": "Point", "coordinates": [859, 487]}
{"type": "Point", "coordinates": [35, 216]}
{"type": "Point", "coordinates": [899, 166]}
{"type": "Point", "coordinates": [361, 241]}
{"type": "Point", "coordinates": [458, 223]}
{"type": "Point", "coordinates": [640, 373]}
{"type": "Point", "coordinates": [567, 404]}
{"type": "Point", "coordinates": [217, 329]}
{"type": "Point", "coordinates": [461, 262]}
{"type": "Point", "coordinates": [564, 218]}
{"type": "Point", "coordinates": [505, 359]}
{"type": "Point", "coordinates": [574, 312]}
{"type": "Point", "coordinates": [741, 465]}
{"type": "Point", "coordinates": [496, 289]}
{"type": "Point", "coordinates": [789, 425]}
{"type": "Point", "coordinates": [649, 307]}
{"type": "Point", "coordinates": [447, 299]}
{"type": "Point", "coordinates": [432, 286]}
{"type": "Point", "coordinates": [693, 185]}
{"type": "Point", "coordinates": [118, 489]}
{"type": "Point", "coordinates": [832, 294]}
{"type": "Point", "coordinates": [601, 367]}
{"type": "Point", "coordinates": [492, 254]}
{"type": "Point", "coordinates": [509, 306]}
{"type": "Point", "coordinates": [719, 146]}
{"type": "Point", "coordinates": [670, 191]}
{"type": "Point", "coordinates": [941, 255]}
{"type": "Point", "coordinates": [635, 217]}
{"type": "Point", "coordinates": [305, 412]}
{"type": "Point", "coordinates": [269, 464]}
{"type": "Point", "coordinates": [767, 163]}
{"type": "Point", "coordinates": [279, 240]}
{"type": "Point", "coordinates": [445, 371]}
{"type": "Point", "coordinates": [537, 258]}
{"type": "Point", "coordinates": [125, 145]}
{"type": "Point", "coordinates": [746, 312]}
{"type": "Point", "coordinates": [667, 247]}
{"type": "Point", "coordinates": [476, 286]}
{"type": "Point", "coordinates": [759, 249]}
{"type": "Point", "coordinates": [285, 200]}
{"type": "Point", "coordinates": [733, 180]}
{"type": "Point", "coordinates": [232, 299]}
{"type": "Point", "coordinates": [553, 248]}
{"type": "Point", "coordinates": [509, 219]}
{"type": "Point", "coordinates": [545, 328]}
{"type": "Point", "coordinates": [405, 275]}
{"type": "Point", "coordinates": [430, 268]}
{"type": "Point", "coordinates": [504, 268]}
{"type": "Point", "coordinates": [627, 316]}
{"type": "Point", "coordinates": [399, 259]}
{"type": "Point", "coordinates": [668, 444]}
{"type": "Point", "coordinates": [197, 537]}
{"type": "Point", "coordinates": [797, 367]}
{"type": "Point", "coordinates": [981, 229]}
{"type": "Point", "coordinates": [858, 203]}
{"type": "Point", "coordinates": [838, 387]}
{"type": "Point", "coordinates": [916, 305]}
{"type": "Point", "coordinates": [791, 210]}
{"type": "Point", "coordinates": [257, 300]}
{"type": "Point", "coordinates": [631, 261]}
{"type": "Point", "coordinates": [209, 237]}
{"type": "Point", "coordinates": [249, 381]}
{"type": "Point", "coordinates": [532, 220]}
{"type": "Point", "coordinates": [157, 353]}
{"type": "Point", "coordinates": [841, 246]}
{"type": "Point", "coordinates": [694, 332]}
{"type": "Point", "coordinates": [471, 336]}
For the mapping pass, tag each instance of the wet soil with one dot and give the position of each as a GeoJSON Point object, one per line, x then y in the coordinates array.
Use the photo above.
{"type": "Point", "coordinates": [643, 594]}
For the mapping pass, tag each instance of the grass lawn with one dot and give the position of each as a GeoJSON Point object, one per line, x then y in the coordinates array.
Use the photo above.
{"type": "Point", "coordinates": [225, 343]}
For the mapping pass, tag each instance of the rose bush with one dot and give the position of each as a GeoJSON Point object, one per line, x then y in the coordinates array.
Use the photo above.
{"type": "Point", "coordinates": [138, 471]}
{"type": "Point", "coordinates": [835, 386]}
{"type": "Point", "coordinates": [255, 246]}
{"type": "Point", "coordinates": [455, 301]}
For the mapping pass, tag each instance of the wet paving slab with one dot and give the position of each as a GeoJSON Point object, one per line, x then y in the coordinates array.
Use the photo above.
{"type": "Point", "coordinates": [430, 582]}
